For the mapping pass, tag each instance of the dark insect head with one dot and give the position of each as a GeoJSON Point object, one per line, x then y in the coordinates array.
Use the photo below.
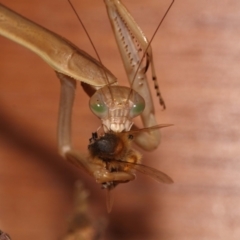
{"type": "Point", "coordinates": [106, 147]}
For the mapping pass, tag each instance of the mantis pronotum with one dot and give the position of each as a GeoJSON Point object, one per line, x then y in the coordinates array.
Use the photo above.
{"type": "Point", "coordinates": [114, 163]}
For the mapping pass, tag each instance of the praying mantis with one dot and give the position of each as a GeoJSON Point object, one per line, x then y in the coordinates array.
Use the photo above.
{"type": "Point", "coordinates": [111, 159]}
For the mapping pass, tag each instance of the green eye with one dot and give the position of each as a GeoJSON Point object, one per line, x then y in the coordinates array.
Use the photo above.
{"type": "Point", "coordinates": [138, 108]}
{"type": "Point", "coordinates": [98, 108]}
{"type": "Point", "coordinates": [98, 105]}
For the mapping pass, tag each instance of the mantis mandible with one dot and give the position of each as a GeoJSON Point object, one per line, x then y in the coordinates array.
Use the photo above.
{"type": "Point", "coordinates": [111, 159]}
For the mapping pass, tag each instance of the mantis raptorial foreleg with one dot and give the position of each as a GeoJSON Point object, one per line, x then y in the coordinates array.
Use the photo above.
{"type": "Point", "coordinates": [63, 56]}
{"type": "Point", "coordinates": [132, 44]}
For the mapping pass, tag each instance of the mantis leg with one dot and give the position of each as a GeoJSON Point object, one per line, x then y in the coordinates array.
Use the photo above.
{"type": "Point", "coordinates": [94, 168]}
{"type": "Point", "coordinates": [134, 46]}
{"type": "Point", "coordinates": [60, 54]}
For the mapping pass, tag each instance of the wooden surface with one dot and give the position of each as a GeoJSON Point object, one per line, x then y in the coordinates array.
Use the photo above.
{"type": "Point", "coordinates": [197, 59]}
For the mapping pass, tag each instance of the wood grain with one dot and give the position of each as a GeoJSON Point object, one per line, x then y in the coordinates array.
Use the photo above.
{"type": "Point", "coordinates": [197, 53]}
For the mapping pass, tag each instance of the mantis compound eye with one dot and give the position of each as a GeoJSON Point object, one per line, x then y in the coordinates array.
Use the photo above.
{"type": "Point", "coordinates": [98, 106]}
{"type": "Point", "coordinates": [136, 109]}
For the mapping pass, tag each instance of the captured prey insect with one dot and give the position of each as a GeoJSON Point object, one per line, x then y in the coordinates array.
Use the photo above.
{"type": "Point", "coordinates": [111, 159]}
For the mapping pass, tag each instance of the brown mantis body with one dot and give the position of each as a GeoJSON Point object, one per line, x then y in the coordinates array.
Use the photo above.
{"type": "Point", "coordinates": [73, 64]}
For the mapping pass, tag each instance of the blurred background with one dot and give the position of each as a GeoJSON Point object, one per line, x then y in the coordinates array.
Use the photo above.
{"type": "Point", "coordinates": [197, 54]}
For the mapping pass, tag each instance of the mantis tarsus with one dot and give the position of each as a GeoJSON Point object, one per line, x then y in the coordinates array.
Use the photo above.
{"type": "Point", "coordinates": [72, 64]}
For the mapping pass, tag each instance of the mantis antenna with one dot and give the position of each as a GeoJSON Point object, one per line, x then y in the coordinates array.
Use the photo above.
{"type": "Point", "coordinates": [154, 34]}
{"type": "Point", "coordinates": [90, 39]}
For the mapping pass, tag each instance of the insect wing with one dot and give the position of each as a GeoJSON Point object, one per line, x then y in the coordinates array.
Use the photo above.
{"type": "Point", "coordinates": [154, 173]}
{"type": "Point", "coordinates": [147, 129]}
{"type": "Point", "coordinates": [151, 172]}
